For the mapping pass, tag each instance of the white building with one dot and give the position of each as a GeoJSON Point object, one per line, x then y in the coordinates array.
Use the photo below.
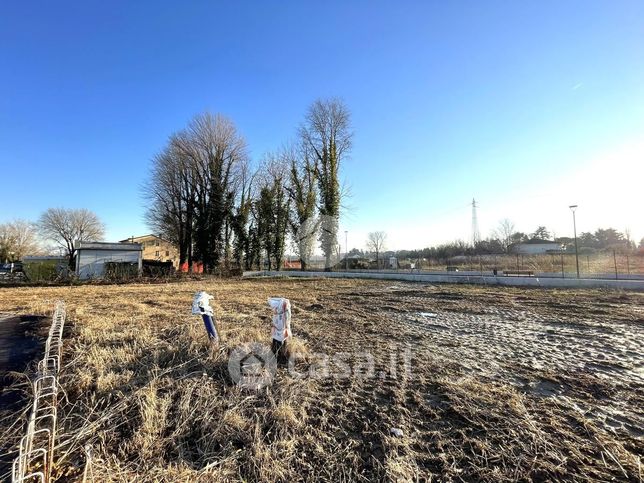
{"type": "Point", "coordinates": [536, 247]}
{"type": "Point", "coordinates": [92, 257]}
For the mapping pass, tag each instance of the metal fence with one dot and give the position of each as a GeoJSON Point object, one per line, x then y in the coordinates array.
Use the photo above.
{"type": "Point", "coordinates": [603, 265]}
{"type": "Point", "coordinates": [36, 450]}
{"type": "Point", "coordinates": [598, 265]}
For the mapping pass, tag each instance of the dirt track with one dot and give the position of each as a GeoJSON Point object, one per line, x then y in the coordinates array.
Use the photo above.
{"type": "Point", "coordinates": [502, 384]}
{"type": "Point", "coordinates": [542, 350]}
{"type": "Point", "coordinates": [575, 358]}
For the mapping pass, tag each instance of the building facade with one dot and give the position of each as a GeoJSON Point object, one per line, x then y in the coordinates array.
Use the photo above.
{"type": "Point", "coordinates": [93, 259]}
{"type": "Point", "coordinates": [536, 247]}
{"type": "Point", "coordinates": [156, 248]}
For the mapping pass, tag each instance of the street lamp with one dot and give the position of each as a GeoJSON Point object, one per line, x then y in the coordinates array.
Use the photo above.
{"type": "Point", "coordinates": [574, 224]}
{"type": "Point", "coordinates": [346, 251]}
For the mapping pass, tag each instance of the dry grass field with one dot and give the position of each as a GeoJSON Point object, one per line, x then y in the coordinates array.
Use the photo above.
{"type": "Point", "coordinates": [486, 383]}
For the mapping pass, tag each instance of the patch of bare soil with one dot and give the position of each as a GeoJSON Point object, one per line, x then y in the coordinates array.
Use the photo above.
{"type": "Point", "coordinates": [387, 382]}
{"type": "Point", "coordinates": [21, 342]}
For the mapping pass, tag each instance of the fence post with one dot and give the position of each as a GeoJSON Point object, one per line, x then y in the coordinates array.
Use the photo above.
{"type": "Point", "coordinates": [562, 266]}
{"type": "Point", "coordinates": [615, 261]}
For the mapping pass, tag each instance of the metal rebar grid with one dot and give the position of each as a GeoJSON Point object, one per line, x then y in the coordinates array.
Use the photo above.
{"type": "Point", "coordinates": [36, 451]}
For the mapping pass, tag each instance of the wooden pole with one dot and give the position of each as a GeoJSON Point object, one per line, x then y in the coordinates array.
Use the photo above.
{"type": "Point", "coordinates": [615, 261]}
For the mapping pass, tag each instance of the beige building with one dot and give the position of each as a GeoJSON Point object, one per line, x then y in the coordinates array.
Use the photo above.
{"type": "Point", "coordinates": [156, 248]}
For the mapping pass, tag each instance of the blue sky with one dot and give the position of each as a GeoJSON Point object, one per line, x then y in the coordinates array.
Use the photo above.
{"type": "Point", "coordinates": [526, 106]}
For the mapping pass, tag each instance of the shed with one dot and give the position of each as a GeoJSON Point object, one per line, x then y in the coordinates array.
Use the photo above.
{"type": "Point", "coordinates": [92, 258]}
{"type": "Point", "coordinates": [536, 247]}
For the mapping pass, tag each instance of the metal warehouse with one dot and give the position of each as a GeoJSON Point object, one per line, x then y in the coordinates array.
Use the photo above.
{"type": "Point", "coordinates": [92, 258]}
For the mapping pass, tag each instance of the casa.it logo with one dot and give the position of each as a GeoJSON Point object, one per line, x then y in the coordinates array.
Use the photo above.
{"type": "Point", "coordinates": [252, 366]}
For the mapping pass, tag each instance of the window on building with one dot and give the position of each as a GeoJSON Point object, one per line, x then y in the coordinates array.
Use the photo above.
{"type": "Point", "coordinates": [157, 253]}
{"type": "Point", "coordinates": [156, 243]}
{"type": "Point", "coordinates": [167, 253]}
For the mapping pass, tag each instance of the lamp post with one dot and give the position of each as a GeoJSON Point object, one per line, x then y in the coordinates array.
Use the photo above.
{"type": "Point", "coordinates": [574, 224]}
{"type": "Point", "coordinates": [346, 250]}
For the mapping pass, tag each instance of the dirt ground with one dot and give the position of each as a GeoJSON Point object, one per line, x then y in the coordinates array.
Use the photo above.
{"type": "Point", "coordinates": [388, 381]}
{"type": "Point", "coordinates": [21, 343]}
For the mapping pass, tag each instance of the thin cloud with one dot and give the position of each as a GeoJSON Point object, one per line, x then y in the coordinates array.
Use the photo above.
{"type": "Point", "coordinates": [577, 86]}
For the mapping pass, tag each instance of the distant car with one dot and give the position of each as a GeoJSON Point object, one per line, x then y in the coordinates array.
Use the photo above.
{"type": "Point", "coordinates": [12, 267]}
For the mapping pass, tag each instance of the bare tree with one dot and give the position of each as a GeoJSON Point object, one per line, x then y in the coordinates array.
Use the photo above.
{"type": "Point", "coordinates": [504, 233]}
{"type": "Point", "coordinates": [194, 185]}
{"type": "Point", "coordinates": [65, 226]}
{"type": "Point", "coordinates": [630, 244]}
{"type": "Point", "coordinates": [216, 152]}
{"type": "Point", "coordinates": [376, 243]}
{"type": "Point", "coordinates": [17, 239]}
{"type": "Point", "coordinates": [170, 192]}
{"type": "Point", "coordinates": [327, 134]}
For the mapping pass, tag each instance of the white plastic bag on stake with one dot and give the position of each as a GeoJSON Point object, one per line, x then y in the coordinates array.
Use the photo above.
{"type": "Point", "coordinates": [201, 304]}
{"type": "Point", "coordinates": [281, 329]}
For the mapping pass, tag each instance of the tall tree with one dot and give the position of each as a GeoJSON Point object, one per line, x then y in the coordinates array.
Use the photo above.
{"type": "Point", "coordinates": [376, 243]}
{"type": "Point", "coordinates": [303, 195]}
{"type": "Point", "coordinates": [541, 233]}
{"type": "Point", "coordinates": [66, 226]}
{"type": "Point", "coordinates": [585, 240]}
{"type": "Point", "coordinates": [273, 210]}
{"type": "Point", "coordinates": [216, 150]}
{"type": "Point", "coordinates": [265, 222]}
{"type": "Point", "coordinates": [327, 133]}
{"type": "Point", "coordinates": [194, 186]}
{"type": "Point", "coordinates": [609, 238]}
{"type": "Point", "coordinates": [241, 218]}
{"type": "Point", "coordinates": [171, 195]}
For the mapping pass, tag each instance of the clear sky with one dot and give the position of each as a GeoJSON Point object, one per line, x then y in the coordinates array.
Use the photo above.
{"type": "Point", "coordinates": [526, 106]}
